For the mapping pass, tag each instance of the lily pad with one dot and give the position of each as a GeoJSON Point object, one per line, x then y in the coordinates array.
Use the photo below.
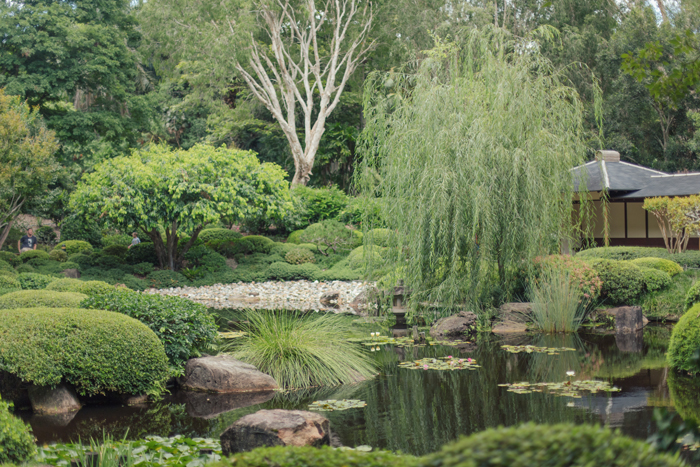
{"type": "Point", "coordinates": [566, 388]}
{"type": "Point", "coordinates": [442, 364]}
{"type": "Point", "coordinates": [535, 349]}
{"type": "Point", "coordinates": [332, 405]}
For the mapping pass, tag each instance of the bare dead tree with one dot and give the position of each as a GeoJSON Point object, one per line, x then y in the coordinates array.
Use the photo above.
{"type": "Point", "coordinates": [295, 70]}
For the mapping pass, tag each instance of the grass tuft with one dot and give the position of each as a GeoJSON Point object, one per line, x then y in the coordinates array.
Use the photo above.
{"type": "Point", "coordinates": [556, 306]}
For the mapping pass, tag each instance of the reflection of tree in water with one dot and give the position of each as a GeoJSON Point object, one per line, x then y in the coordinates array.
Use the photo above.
{"type": "Point", "coordinates": [685, 395]}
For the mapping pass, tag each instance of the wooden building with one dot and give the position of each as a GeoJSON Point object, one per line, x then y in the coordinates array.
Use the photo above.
{"type": "Point", "coordinates": [627, 185]}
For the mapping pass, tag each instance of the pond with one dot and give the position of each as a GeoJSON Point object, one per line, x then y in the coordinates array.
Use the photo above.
{"type": "Point", "coordinates": [417, 411]}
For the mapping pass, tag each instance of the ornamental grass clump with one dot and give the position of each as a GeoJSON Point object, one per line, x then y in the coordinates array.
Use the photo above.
{"type": "Point", "coordinates": [557, 305]}
{"type": "Point", "coordinates": [301, 351]}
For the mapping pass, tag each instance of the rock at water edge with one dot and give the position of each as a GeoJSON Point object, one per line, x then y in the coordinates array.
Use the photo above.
{"type": "Point", "coordinates": [224, 374]}
{"type": "Point", "coordinates": [454, 326]}
{"type": "Point", "coordinates": [49, 401]}
{"type": "Point", "coordinates": [627, 318]}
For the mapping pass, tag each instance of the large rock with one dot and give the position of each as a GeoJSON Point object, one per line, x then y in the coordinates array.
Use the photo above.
{"type": "Point", "coordinates": [50, 401]}
{"type": "Point", "coordinates": [512, 318]}
{"type": "Point", "coordinates": [454, 326]}
{"type": "Point", "coordinates": [627, 318]}
{"type": "Point", "coordinates": [365, 303]}
{"type": "Point", "coordinates": [330, 299]}
{"type": "Point", "coordinates": [224, 374]}
{"type": "Point", "coordinates": [520, 308]}
{"type": "Point", "coordinates": [71, 273]}
{"type": "Point", "coordinates": [276, 428]}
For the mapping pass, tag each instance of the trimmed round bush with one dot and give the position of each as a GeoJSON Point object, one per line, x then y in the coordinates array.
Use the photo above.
{"type": "Point", "coordinates": [58, 255]}
{"type": "Point", "coordinates": [11, 258]}
{"type": "Point", "coordinates": [80, 258]}
{"type": "Point", "coordinates": [655, 279]}
{"type": "Point", "coordinates": [307, 456]}
{"type": "Point", "coordinates": [282, 249]}
{"type": "Point", "coordinates": [88, 288]}
{"type": "Point", "coordinates": [166, 278]}
{"type": "Point", "coordinates": [685, 340]}
{"type": "Point", "coordinates": [69, 265]}
{"type": "Point", "coordinates": [687, 259]}
{"type": "Point", "coordinates": [117, 239]}
{"type": "Point", "coordinates": [34, 254]}
{"type": "Point", "coordinates": [96, 352]}
{"type": "Point", "coordinates": [9, 282]}
{"type": "Point", "coordinates": [16, 439]}
{"type": "Point", "coordinates": [143, 269]}
{"type": "Point", "coordinates": [295, 237]}
{"type": "Point", "coordinates": [291, 272]}
{"type": "Point", "coordinates": [142, 253]}
{"type": "Point", "coordinates": [562, 445]}
{"type": "Point", "coordinates": [254, 244]}
{"type": "Point", "coordinates": [115, 250]}
{"type": "Point", "coordinates": [358, 258]}
{"type": "Point", "coordinates": [25, 268]}
{"type": "Point", "coordinates": [41, 298]}
{"type": "Point", "coordinates": [208, 235]}
{"type": "Point", "coordinates": [300, 256]}
{"type": "Point", "coordinates": [665, 265]}
{"type": "Point", "coordinates": [5, 266]}
{"type": "Point", "coordinates": [74, 246]}
{"type": "Point", "coordinates": [33, 281]}
{"type": "Point", "coordinates": [693, 295]}
{"type": "Point", "coordinates": [379, 237]}
{"type": "Point", "coordinates": [622, 280]}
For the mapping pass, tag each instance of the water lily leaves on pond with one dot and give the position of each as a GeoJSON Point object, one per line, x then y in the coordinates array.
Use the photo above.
{"type": "Point", "coordinates": [231, 334]}
{"type": "Point", "coordinates": [566, 388]}
{"type": "Point", "coordinates": [535, 349]}
{"type": "Point", "coordinates": [332, 405]}
{"type": "Point", "coordinates": [442, 364]}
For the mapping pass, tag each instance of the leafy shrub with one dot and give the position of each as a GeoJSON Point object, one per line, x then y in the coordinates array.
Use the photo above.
{"type": "Point", "coordinates": [166, 279]}
{"type": "Point", "coordinates": [361, 256]}
{"type": "Point", "coordinates": [666, 265]}
{"type": "Point", "coordinates": [46, 235]}
{"type": "Point", "coordinates": [116, 239]}
{"type": "Point", "coordinates": [688, 259]}
{"type": "Point", "coordinates": [655, 279]}
{"type": "Point", "coordinates": [301, 351]}
{"type": "Point", "coordinates": [300, 256]}
{"type": "Point", "coordinates": [685, 340]}
{"type": "Point", "coordinates": [208, 235]}
{"type": "Point", "coordinates": [320, 203]}
{"type": "Point", "coordinates": [563, 445]}
{"type": "Point", "coordinates": [115, 250]}
{"type": "Point", "coordinates": [24, 268]}
{"type": "Point", "coordinates": [330, 236]}
{"type": "Point", "coordinates": [337, 274]}
{"type": "Point", "coordinates": [142, 253]}
{"type": "Point", "coordinates": [32, 281]}
{"type": "Point", "coordinates": [226, 248]}
{"type": "Point", "coordinates": [363, 209]}
{"type": "Point", "coordinates": [32, 254]}
{"type": "Point", "coordinates": [74, 246]}
{"type": "Point", "coordinates": [380, 237]}
{"type": "Point", "coordinates": [307, 456]}
{"type": "Point", "coordinates": [41, 298]}
{"type": "Point", "coordinates": [9, 282]}
{"type": "Point", "coordinates": [107, 262]}
{"type": "Point", "coordinates": [76, 227]}
{"type": "Point", "coordinates": [4, 266]}
{"type": "Point", "coordinates": [88, 288]}
{"type": "Point", "coordinates": [290, 272]}
{"type": "Point", "coordinates": [5, 290]}
{"type": "Point", "coordinates": [693, 295]}
{"type": "Point", "coordinates": [11, 258]}
{"type": "Point", "coordinates": [202, 256]}
{"type": "Point", "coordinates": [81, 259]}
{"type": "Point", "coordinates": [588, 282]}
{"type": "Point", "coordinates": [133, 283]}
{"type": "Point", "coordinates": [69, 265]}
{"type": "Point", "coordinates": [16, 440]}
{"type": "Point", "coordinates": [295, 237]}
{"type": "Point", "coordinates": [58, 255]}
{"type": "Point", "coordinates": [143, 269]}
{"type": "Point", "coordinates": [254, 244]}
{"type": "Point", "coordinates": [669, 301]}
{"type": "Point", "coordinates": [622, 280]}
{"type": "Point", "coordinates": [96, 352]}
{"type": "Point", "coordinates": [40, 262]}
{"type": "Point", "coordinates": [185, 328]}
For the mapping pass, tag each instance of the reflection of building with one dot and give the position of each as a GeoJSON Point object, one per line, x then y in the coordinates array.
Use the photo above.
{"type": "Point", "coordinates": [627, 185]}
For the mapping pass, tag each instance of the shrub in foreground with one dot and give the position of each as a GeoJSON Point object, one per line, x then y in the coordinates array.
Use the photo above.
{"type": "Point", "coordinates": [301, 351]}
{"type": "Point", "coordinates": [300, 256]}
{"type": "Point", "coordinates": [655, 279]}
{"type": "Point", "coordinates": [16, 440]}
{"type": "Point", "coordinates": [41, 298]}
{"type": "Point", "coordinates": [307, 456]}
{"type": "Point", "coordinates": [9, 282]}
{"type": "Point", "coordinates": [58, 255]}
{"type": "Point", "coordinates": [563, 445]}
{"type": "Point", "coordinates": [622, 280]}
{"type": "Point", "coordinates": [291, 272]}
{"type": "Point", "coordinates": [33, 281]}
{"type": "Point", "coordinates": [685, 340]}
{"type": "Point", "coordinates": [693, 295]}
{"type": "Point", "coordinates": [665, 265]}
{"type": "Point", "coordinates": [96, 352]}
{"type": "Point", "coordinates": [254, 244]}
{"type": "Point", "coordinates": [11, 258]}
{"type": "Point", "coordinates": [74, 246]}
{"type": "Point", "coordinates": [142, 253]}
{"type": "Point", "coordinates": [75, 285]}
{"type": "Point", "coordinates": [185, 328]}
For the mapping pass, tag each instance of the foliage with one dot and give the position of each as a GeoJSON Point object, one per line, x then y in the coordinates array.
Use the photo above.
{"type": "Point", "coordinates": [185, 328]}
{"type": "Point", "coordinates": [580, 273]}
{"type": "Point", "coordinates": [208, 235]}
{"type": "Point", "coordinates": [11, 258]}
{"type": "Point", "coordinates": [301, 351]}
{"type": "Point", "coordinates": [307, 456]}
{"type": "Point", "coordinates": [9, 282]}
{"type": "Point", "coordinates": [32, 281]}
{"type": "Point", "coordinates": [693, 295]}
{"type": "Point", "coordinates": [88, 288]}
{"type": "Point", "coordinates": [143, 269]}
{"type": "Point", "coordinates": [115, 250]}
{"type": "Point", "coordinates": [116, 239]}
{"type": "Point", "coordinates": [688, 259]}
{"type": "Point", "coordinates": [46, 235]}
{"type": "Point", "coordinates": [622, 281]}
{"type": "Point", "coordinates": [16, 440]}
{"type": "Point", "coordinates": [557, 305]}
{"type": "Point", "coordinates": [31, 254]}
{"type": "Point", "coordinates": [295, 237]}
{"type": "Point", "coordinates": [379, 237]}
{"type": "Point", "coordinates": [96, 352]}
{"type": "Point", "coordinates": [312, 205]}
{"type": "Point", "coordinates": [661, 264]}
{"type": "Point", "coordinates": [685, 340]}
{"type": "Point", "coordinates": [139, 192]}
{"type": "Point", "coordinates": [289, 272]}
{"type": "Point", "coordinates": [58, 255]}
{"type": "Point", "coordinates": [655, 279]}
{"type": "Point", "coordinates": [300, 256]}
{"type": "Point", "coordinates": [561, 445]}
{"type": "Point", "coordinates": [166, 278]}
{"type": "Point", "coordinates": [677, 219]}
{"type": "Point", "coordinates": [24, 268]}
{"type": "Point", "coordinates": [669, 302]}
{"type": "Point", "coordinates": [41, 298]}
{"type": "Point", "coordinates": [329, 235]}
{"type": "Point", "coordinates": [142, 253]}
{"type": "Point", "coordinates": [74, 246]}
{"type": "Point", "coordinates": [254, 244]}
{"type": "Point", "coordinates": [76, 227]}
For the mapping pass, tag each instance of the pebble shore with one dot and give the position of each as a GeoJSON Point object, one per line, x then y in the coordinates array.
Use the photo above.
{"type": "Point", "coordinates": [291, 295]}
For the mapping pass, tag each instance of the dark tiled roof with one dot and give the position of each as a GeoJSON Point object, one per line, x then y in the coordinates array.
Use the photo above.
{"type": "Point", "coordinates": [668, 185]}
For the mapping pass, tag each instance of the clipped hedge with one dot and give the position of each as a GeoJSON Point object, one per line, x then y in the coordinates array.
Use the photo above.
{"type": "Point", "coordinates": [562, 445]}
{"type": "Point", "coordinates": [307, 456]}
{"type": "Point", "coordinates": [693, 295]}
{"type": "Point", "coordinates": [289, 272]}
{"type": "Point", "coordinates": [33, 281]}
{"type": "Point", "coordinates": [115, 250]}
{"type": "Point", "coordinates": [685, 340]}
{"type": "Point", "coordinates": [11, 258]}
{"type": "Point", "coordinates": [58, 255]}
{"type": "Point", "coordinates": [74, 246]}
{"type": "Point", "coordinates": [166, 278]}
{"type": "Point", "coordinates": [666, 265]}
{"type": "Point", "coordinates": [185, 328]}
{"type": "Point", "coordinates": [24, 268]}
{"type": "Point", "coordinates": [9, 282]}
{"type": "Point", "coordinates": [295, 237]}
{"type": "Point", "coordinates": [16, 439]}
{"type": "Point", "coordinates": [34, 254]}
{"type": "Point", "coordinates": [254, 244]}
{"type": "Point", "coordinates": [69, 265]}
{"type": "Point", "coordinates": [116, 239]}
{"type": "Point", "coordinates": [622, 280]}
{"type": "Point", "coordinates": [688, 259]}
{"type": "Point", "coordinates": [208, 235]}
{"type": "Point", "coordinates": [41, 298]}
{"type": "Point", "coordinates": [96, 352]}
{"type": "Point", "coordinates": [88, 288]}
{"type": "Point", "coordinates": [5, 266]}
{"type": "Point", "coordinates": [142, 253]}
{"type": "Point", "coordinates": [655, 279]}
{"type": "Point", "coordinates": [143, 269]}
{"type": "Point", "coordinates": [300, 256]}
{"type": "Point", "coordinates": [81, 259]}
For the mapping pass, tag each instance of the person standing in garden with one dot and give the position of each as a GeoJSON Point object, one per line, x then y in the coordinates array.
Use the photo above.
{"type": "Point", "coordinates": [28, 242]}
{"type": "Point", "coordinates": [135, 241]}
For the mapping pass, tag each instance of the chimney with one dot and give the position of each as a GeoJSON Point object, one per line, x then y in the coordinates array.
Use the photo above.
{"type": "Point", "coordinates": [607, 156]}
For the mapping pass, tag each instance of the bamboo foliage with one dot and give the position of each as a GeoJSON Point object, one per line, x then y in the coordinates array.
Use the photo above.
{"type": "Point", "coordinates": [472, 155]}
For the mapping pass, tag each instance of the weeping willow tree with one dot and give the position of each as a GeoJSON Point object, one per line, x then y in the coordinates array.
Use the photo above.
{"type": "Point", "coordinates": [472, 155]}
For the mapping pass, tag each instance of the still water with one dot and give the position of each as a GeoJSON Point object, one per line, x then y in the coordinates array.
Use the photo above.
{"type": "Point", "coordinates": [418, 411]}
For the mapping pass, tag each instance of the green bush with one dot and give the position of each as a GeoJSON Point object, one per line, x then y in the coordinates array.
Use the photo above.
{"type": "Point", "coordinates": [11, 258]}
{"type": "Point", "coordinates": [166, 278]}
{"type": "Point", "coordinates": [142, 253]}
{"type": "Point", "coordinates": [5, 290]}
{"type": "Point", "coordinates": [69, 265]}
{"type": "Point", "coordinates": [380, 237]}
{"type": "Point", "coordinates": [9, 282]}
{"type": "Point", "coordinates": [693, 295]}
{"type": "Point", "coordinates": [32, 281]}
{"type": "Point", "coordinates": [41, 262]}
{"type": "Point", "coordinates": [563, 445]}
{"type": "Point", "coordinates": [622, 280]}
{"type": "Point", "coordinates": [32, 254]}
{"type": "Point", "coordinates": [655, 279]}
{"type": "Point", "coordinates": [254, 244]}
{"type": "Point", "coordinates": [291, 272]}
{"type": "Point", "coordinates": [684, 390]}
{"type": "Point", "coordinates": [295, 237]}
{"type": "Point", "coordinates": [337, 274]}
{"type": "Point", "coordinates": [672, 300]}
{"type": "Point", "coordinates": [115, 250]}
{"type": "Point", "coordinates": [116, 239]}
{"type": "Point", "coordinates": [208, 235]}
{"type": "Point", "coordinates": [143, 269]}
{"type": "Point", "coordinates": [107, 262]}
{"type": "Point", "coordinates": [96, 352]}
{"type": "Point", "coordinates": [16, 439]}
{"type": "Point", "coordinates": [185, 328]}
{"type": "Point", "coordinates": [74, 246]}
{"type": "Point", "coordinates": [58, 255]}
{"type": "Point", "coordinates": [46, 235]}
{"type": "Point", "coordinates": [685, 340]}
{"type": "Point", "coordinates": [307, 456]}
{"type": "Point", "coordinates": [300, 256]}
{"type": "Point", "coordinates": [666, 265]}
{"type": "Point", "coordinates": [88, 288]}
{"type": "Point", "coordinates": [5, 266]}
{"type": "Point", "coordinates": [77, 227]}
{"type": "Point", "coordinates": [80, 258]}
{"type": "Point", "coordinates": [41, 298]}
{"type": "Point", "coordinates": [24, 268]}
{"type": "Point", "coordinates": [689, 259]}
{"type": "Point", "coordinates": [361, 256]}
{"type": "Point", "coordinates": [331, 236]}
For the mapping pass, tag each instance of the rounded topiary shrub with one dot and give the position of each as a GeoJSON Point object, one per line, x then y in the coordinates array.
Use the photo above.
{"type": "Point", "coordinates": [11, 258]}
{"type": "Point", "coordinates": [142, 253]}
{"type": "Point", "coordinates": [685, 340]}
{"type": "Point", "coordinates": [9, 282]}
{"type": "Point", "coordinates": [81, 259]}
{"type": "Point", "coordinates": [300, 256]}
{"type": "Point", "coordinates": [116, 239]}
{"type": "Point", "coordinates": [24, 268]}
{"type": "Point", "coordinates": [622, 280]}
{"type": "Point", "coordinates": [34, 254]}
{"type": "Point", "coordinates": [97, 352]}
{"type": "Point", "coordinates": [693, 295]}
{"type": "Point", "coordinates": [166, 278]}
{"type": "Point", "coordinates": [361, 256]}
{"type": "Point", "coordinates": [563, 445]}
{"type": "Point", "coordinates": [115, 250]}
{"type": "Point", "coordinates": [655, 279]}
{"type": "Point", "coordinates": [307, 456]}
{"type": "Point", "coordinates": [41, 298]}
{"type": "Point", "coordinates": [58, 255]}
{"type": "Point", "coordinates": [74, 246]}
{"type": "Point", "coordinates": [76, 285]}
{"type": "Point", "coordinates": [295, 237]}
{"type": "Point", "coordinates": [290, 272]}
{"type": "Point", "coordinates": [254, 244]}
{"type": "Point", "coordinates": [208, 235]}
{"type": "Point", "coordinates": [16, 440]}
{"type": "Point", "coordinates": [33, 281]}
{"type": "Point", "coordinates": [5, 266]}
{"type": "Point", "coordinates": [69, 265]}
{"type": "Point", "coordinates": [143, 269]}
{"type": "Point", "coordinates": [665, 265]}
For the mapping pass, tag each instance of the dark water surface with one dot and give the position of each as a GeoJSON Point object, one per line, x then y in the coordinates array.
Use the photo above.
{"type": "Point", "coordinates": [419, 411]}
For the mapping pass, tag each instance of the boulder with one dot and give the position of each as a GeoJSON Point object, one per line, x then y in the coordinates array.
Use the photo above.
{"type": "Point", "coordinates": [509, 327]}
{"type": "Point", "coordinates": [454, 326]}
{"type": "Point", "coordinates": [330, 299]}
{"type": "Point", "coordinates": [365, 303]}
{"type": "Point", "coordinates": [71, 273]}
{"type": "Point", "coordinates": [50, 401]}
{"type": "Point", "coordinates": [512, 318]}
{"type": "Point", "coordinates": [522, 308]}
{"type": "Point", "coordinates": [276, 428]}
{"type": "Point", "coordinates": [627, 318]}
{"type": "Point", "coordinates": [224, 374]}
